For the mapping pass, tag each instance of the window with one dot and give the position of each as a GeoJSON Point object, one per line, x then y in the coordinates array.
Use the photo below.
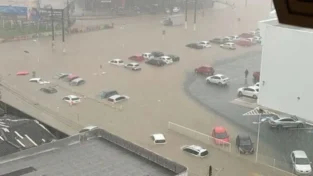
{"type": "Point", "coordinates": [302, 161]}
{"type": "Point", "coordinates": [120, 98]}
{"type": "Point", "coordinates": [204, 153]}
{"type": "Point", "coordinates": [66, 98]}
{"type": "Point", "coordinates": [120, 61]}
{"type": "Point", "coordinates": [159, 141]}
{"type": "Point", "coordinates": [195, 152]}
{"type": "Point", "coordinates": [74, 99]}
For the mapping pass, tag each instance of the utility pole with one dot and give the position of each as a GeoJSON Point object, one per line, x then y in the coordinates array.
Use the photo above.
{"type": "Point", "coordinates": [246, 3]}
{"type": "Point", "coordinates": [63, 35]}
{"type": "Point", "coordinates": [186, 12]}
{"type": "Point", "coordinates": [68, 18]}
{"type": "Point", "coordinates": [52, 28]}
{"type": "Point", "coordinates": [195, 16]}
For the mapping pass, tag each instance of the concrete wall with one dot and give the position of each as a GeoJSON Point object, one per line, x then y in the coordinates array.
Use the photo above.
{"type": "Point", "coordinates": [286, 70]}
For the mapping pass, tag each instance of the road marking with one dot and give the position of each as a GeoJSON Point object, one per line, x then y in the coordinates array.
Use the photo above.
{"type": "Point", "coordinates": [244, 103]}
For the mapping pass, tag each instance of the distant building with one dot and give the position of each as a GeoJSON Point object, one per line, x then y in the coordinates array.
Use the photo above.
{"type": "Point", "coordinates": [19, 134]}
{"type": "Point", "coordinates": [286, 67]}
{"type": "Point", "coordinates": [93, 153]}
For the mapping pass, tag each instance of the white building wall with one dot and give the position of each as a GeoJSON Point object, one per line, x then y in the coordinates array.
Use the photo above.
{"type": "Point", "coordinates": [287, 71]}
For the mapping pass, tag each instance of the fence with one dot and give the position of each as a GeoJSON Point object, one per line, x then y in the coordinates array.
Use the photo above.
{"type": "Point", "coordinates": [218, 143]}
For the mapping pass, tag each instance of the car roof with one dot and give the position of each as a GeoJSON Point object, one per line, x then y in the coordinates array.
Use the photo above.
{"type": "Point", "coordinates": [253, 87]}
{"type": "Point", "coordinates": [117, 59]}
{"type": "Point", "coordinates": [300, 154]}
{"type": "Point", "coordinates": [134, 63]}
{"type": "Point", "coordinates": [72, 76]}
{"type": "Point", "coordinates": [77, 79]}
{"type": "Point", "coordinates": [35, 78]}
{"type": "Point", "coordinates": [165, 56]}
{"type": "Point", "coordinates": [219, 129]}
{"type": "Point", "coordinates": [114, 96]}
{"type": "Point", "coordinates": [196, 147]}
{"type": "Point", "coordinates": [230, 43]}
{"type": "Point", "coordinates": [72, 96]}
{"type": "Point", "coordinates": [158, 136]}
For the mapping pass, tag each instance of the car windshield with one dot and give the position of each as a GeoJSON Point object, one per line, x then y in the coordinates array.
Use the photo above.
{"type": "Point", "coordinates": [245, 142]}
{"type": "Point", "coordinates": [302, 161]}
{"type": "Point", "coordinates": [223, 77]}
{"type": "Point", "coordinates": [221, 135]}
{"type": "Point", "coordinates": [204, 153]}
{"type": "Point", "coordinates": [75, 98]}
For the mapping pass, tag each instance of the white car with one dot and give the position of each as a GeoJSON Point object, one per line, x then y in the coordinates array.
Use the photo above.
{"type": "Point", "coordinates": [133, 66]}
{"type": "Point", "coordinates": [147, 56]}
{"type": "Point", "coordinates": [257, 84]}
{"type": "Point", "coordinates": [251, 91]}
{"type": "Point", "coordinates": [158, 138]}
{"type": "Point", "coordinates": [217, 79]}
{"type": "Point", "coordinates": [257, 39]}
{"type": "Point", "coordinates": [234, 37]}
{"type": "Point", "coordinates": [205, 44]}
{"type": "Point", "coordinates": [195, 150]}
{"type": "Point", "coordinates": [252, 40]}
{"type": "Point", "coordinates": [256, 32]}
{"type": "Point", "coordinates": [228, 45]}
{"type": "Point", "coordinates": [300, 163]}
{"type": "Point", "coordinates": [39, 81]}
{"type": "Point", "coordinates": [118, 62]}
{"type": "Point", "coordinates": [72, 99]}
{"type": "Point", "coordinates": [166, 59]}
{"type": "Point", "coordinates": [176, 9]}
{"type": "Point", "coordinates": [117, 98]}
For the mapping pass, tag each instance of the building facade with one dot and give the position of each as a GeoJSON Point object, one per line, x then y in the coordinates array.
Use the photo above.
{"type": "Point", "coordinates": [285, 82]}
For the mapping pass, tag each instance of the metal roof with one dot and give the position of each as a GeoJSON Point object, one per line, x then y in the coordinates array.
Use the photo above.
{"type": "Point", "coordinates": [96, 152]}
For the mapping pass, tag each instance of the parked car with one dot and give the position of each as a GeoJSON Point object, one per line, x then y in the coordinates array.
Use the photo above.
{"type": "Point", "coordinates": [255, 33]}
{"type": "Point", "coordinates": [195, 46]}
{"type": "Point", "coordinates": [257, 84]}
{"type": "Point", "coordinates": [72, 99]}
{"type": "Point", "coordinates": [137, 58]}
{"type": "Point", "coordinates": [256, 76]}
{"type": "Point", "coordinates": [61, 75]}
{"type": "Point", "coordinates": [117, 98]}
{"type": "Point", "coordinates": [244, 144]}
{"type": "Point", "coordinates": [22, 73]}
{"type": "Point", "coordinates": [156, 62]}
{"type": "Point", "coordinates": [220, 135]}
{"type": "Point", "coordinates": [251, 92]}
{"type": "Point", "coordinates": [285, 122]}
{"type": "Point", "coordinates": [244, 42]}
{"type": "Point", "coordinates": [49, 90]}
{"type": "Point", "coordinates": [228, 45]}
{"type": "Point", "coordinates": [228, 39]}
{"type": "Point", "coordinates": [70, 77]}
{"type": "Point", "coordinates": [158, 138]}
{"type": "Point", "coordinates": [108, 93]}
{"type": "Point", "coordinates": [218, 41]}
{"type": "Point", "coordinates": [205, 70]}
{"type": "Point", "coordinates": [77, 82]}
{"type": "Point", "coordinates": [246, 35]}
{"type": "Point", "coordinates": [205, 44]}
{"type": "Point", "coordinates": [166, 59]}
{"type": "Point", "coordinates": [147, 56]}
{"type": "Point", "coordinates": [258, 39]}
{"type": "Point", "coordinates": [117, 62]}
{"type": "Point", "coordinates": [195, 150]}
{"type": "Point", "coordinates": [301, 164]}
{"type": "Point", "coordinates": [39, 81]}
{"type": "Point", "coordinates": [156, 54]}
{"type": "Point", "coordinates": [133, 66]}
{"type": "Point", "coordinates": [217, 79]}
{"type": "Point", "coordinates": [174, 57]}
{"type": "Point", "coordinates": [233, 38]}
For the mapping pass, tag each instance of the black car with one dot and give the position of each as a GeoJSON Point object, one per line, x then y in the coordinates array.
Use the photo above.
{"type": "Point", "coordinates": [174, 57]}
{"type": "Point", "coordinates": [194, 46]}
{"type": "Point", "coordinates": [218, 40]}
{"type": "Point", "coordinates": [157, 54]}
{"type": "Point", "coordinates": [156, 62]}
{"type": "Point", "coordinates": [107, 94]}
{"type": "Point", "coordinates": [244, 144]}
{"type": "Point", "coordinates": [49, 90]}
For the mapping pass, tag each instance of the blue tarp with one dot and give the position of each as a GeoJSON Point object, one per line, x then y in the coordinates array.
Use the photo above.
{"type": "Point", "coordinates": [13, 10]}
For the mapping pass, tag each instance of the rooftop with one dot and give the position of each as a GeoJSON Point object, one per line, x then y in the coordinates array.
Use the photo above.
{"type": "Point", "coordinates": [95, 152]}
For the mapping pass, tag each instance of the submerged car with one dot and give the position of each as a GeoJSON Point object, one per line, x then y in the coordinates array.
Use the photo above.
{"type": "Point", "coordinates": [276, 121]}
{"type": "Point", "coordinates": [39, 81]}
{"type": "Point", "coordinates": [49, 90]}
{"type": "Point", "coordinates": [174, 57]}
{"type": "Point", "coordinates": [205, 70]}
{"type": "Point", "coordinates": [220, 135]}
{"type": "Point", "coordinates": [107, 93]}
{"type": "Point", "coordinates": [195, 150]}
{"type": "Point", "coordinates": [195, 46]}
{"type": "Point", "coordinates": [218, 79]}
{"type": "Point", "coordinates": [133, 66]}
{"type": "Point", "coordinates": [244, 144]}
{"type": "Point", "coordinates": [156, 62]}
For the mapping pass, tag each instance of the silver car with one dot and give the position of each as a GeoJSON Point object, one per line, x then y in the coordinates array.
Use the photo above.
{"type": "Point", "coordinates": [285, 122]}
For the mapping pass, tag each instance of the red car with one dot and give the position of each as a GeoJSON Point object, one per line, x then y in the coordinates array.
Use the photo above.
{"type": "Point", "coordinates": [220, 135]}
{"type": "Point", "coordinates": [256, 76]}
{"type": "Point", "coordinates": [137, 58]}
{"type": "Point", "coordinates": [70, 77]}
{"type": "Point", "coordinates": [244, 42]}
{"type": "Point", "coordinates": [205, 70]}
{"type": "Point", "coordinates": [22, 73]}
{"type": "Point", "coordinates": [246, 35]}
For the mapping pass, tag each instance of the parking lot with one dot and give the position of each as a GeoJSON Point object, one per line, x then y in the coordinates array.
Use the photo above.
{"type": "Point", "coordinates": [224, 101]}
{"type": "Point", "coordinates": [156, 94]}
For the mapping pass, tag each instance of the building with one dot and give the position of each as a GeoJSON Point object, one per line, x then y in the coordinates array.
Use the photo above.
{"type": "Point", "coordinates": [96, 152]}
{"type": "Point", "coordinates": [285, 81]}
{"type": "Point", "coordinates": [19, 134]}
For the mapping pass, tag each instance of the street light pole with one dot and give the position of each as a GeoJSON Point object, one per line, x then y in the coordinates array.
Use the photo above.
{"type": "Point", "coordinates": [52, 28]}
{"type": "Point", "coordinates": [195, 16]}
{"type": "Point", "coordinates": [186, 12]}
{"type": "Point", "coordinates": [63, 35]}
{"type": "Point", "coordinates": [258, 137]}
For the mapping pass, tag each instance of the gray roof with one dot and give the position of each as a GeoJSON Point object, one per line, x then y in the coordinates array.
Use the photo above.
{"type": "Point", "coordinates": [96, 152]}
